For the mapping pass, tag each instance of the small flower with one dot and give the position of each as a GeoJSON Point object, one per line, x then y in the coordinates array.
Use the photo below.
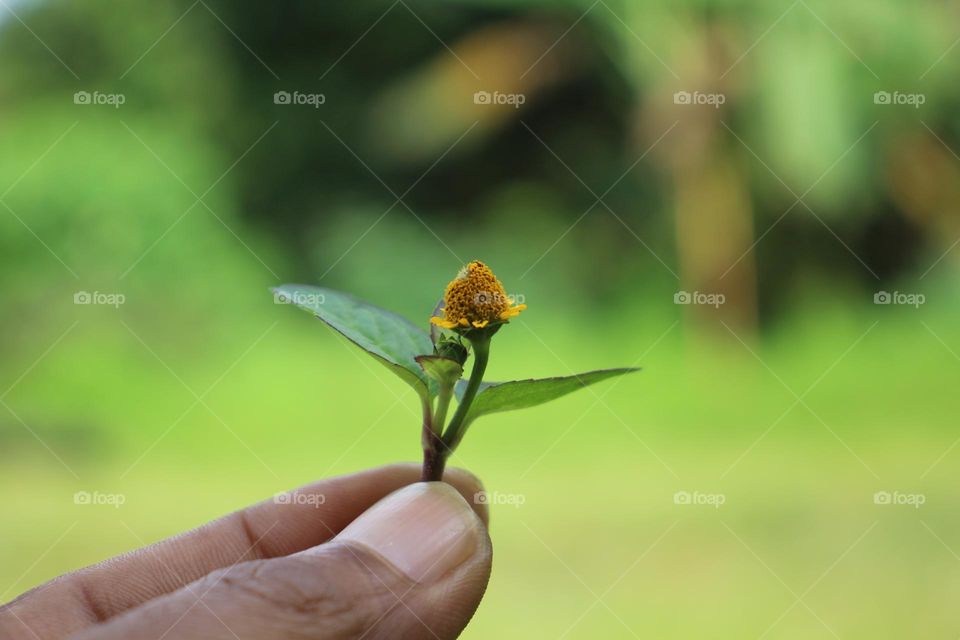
{"type": "Point", "coordinates": [475, 299]}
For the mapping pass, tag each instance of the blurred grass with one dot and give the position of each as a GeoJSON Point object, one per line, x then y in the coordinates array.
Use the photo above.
{"type": "Point", "coordinates": [597, 472]}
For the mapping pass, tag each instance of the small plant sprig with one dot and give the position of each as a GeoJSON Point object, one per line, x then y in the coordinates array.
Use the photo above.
{"type": "Point", "coordinates": [474, 307]}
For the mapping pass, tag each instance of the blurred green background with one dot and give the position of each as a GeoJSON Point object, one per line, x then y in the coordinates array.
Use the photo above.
{"type": "Point", "coordinates": [792, 160]}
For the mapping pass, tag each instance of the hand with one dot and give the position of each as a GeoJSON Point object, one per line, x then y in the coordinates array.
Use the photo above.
{"type": "Point", "coordinates": [375, 557]}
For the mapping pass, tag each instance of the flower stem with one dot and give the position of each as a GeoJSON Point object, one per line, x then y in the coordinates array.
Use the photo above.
{"type": "Point", "coordinates": [455, 430]}
{"type": "Point", "coordinates": [444, 394]}
{"type": "Point", "coordinates": [433, 462]}
{"type": "Point", "coordinates": [437, 448]}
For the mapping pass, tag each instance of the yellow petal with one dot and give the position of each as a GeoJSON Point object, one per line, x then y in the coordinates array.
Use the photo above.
{"type": "Point", "coordinates": [480, 325]}
{"type": "Point", "coordinates": [512, 312]}
{"type": "Point", "coordinates": [440, 322]}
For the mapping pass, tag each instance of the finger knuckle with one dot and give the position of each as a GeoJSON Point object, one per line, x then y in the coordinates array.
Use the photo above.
{"type": "Point", "coordinates": [324, 599]}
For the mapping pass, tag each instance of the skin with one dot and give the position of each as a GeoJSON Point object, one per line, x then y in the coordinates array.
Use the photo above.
{"type": "Point", "coordinates": [380, 555]}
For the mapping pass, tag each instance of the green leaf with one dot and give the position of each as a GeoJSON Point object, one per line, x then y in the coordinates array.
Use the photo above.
{"type": "Point", "coordinates": [461, 387]}
{"type": "Point", "coordinates": [494, 397]}
{"type": "Point", "coordinates": [391, 339]}
{"type": "Point", "coordinates": [444, 371]}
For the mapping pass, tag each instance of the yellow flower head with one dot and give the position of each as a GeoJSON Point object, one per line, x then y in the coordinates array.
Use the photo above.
{"type": "Point", "coordinates": [474, 299]}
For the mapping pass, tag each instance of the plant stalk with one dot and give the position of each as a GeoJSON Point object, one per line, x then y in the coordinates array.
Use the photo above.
{"type": "Point", "coordinates": [457, 427]}
{"type": "Point", "coordinates": [437, 448]}
{"type": "Point", "coordinates": [444, 395]}
{"type": "Point", "coordinates": [433, 462]}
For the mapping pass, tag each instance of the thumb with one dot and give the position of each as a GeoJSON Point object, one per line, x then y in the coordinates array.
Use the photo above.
{"type": "Point", "coordinates": [414, 566]}
{"type": "Point", "coordinates": [429, 534]}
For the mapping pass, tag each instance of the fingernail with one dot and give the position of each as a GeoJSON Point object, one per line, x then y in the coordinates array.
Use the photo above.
{"type": "Point", "coordinates": [474, 495]}
{"type": "Point", "coordinates": [425, 530]}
